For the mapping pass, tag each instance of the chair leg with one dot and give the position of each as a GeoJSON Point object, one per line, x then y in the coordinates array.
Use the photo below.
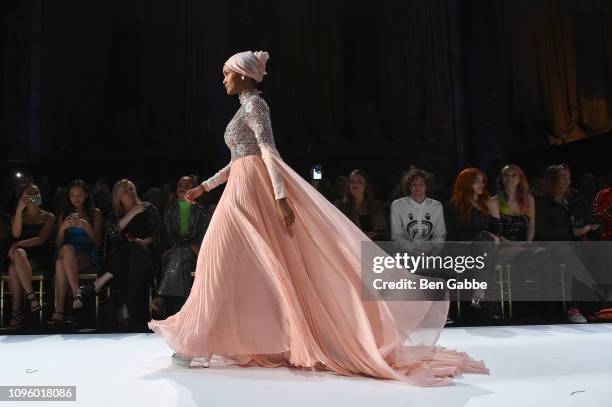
{"type": "Point", "coordinates": [563, 294]}
{"type": "Point", "coordinates": [41, 299]}
{"type": "Point", "coordinates": [458, 304]}
{"type": "Point", "coordinates": [502, 297]}
{"type": "Point", "coordinates": [509, 282]}
{"type": "Point", "coordinates": [1, 302]}
{"type": "Point", "coordinates": [150, 300]}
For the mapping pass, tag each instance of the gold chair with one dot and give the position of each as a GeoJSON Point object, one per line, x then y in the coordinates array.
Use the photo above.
{"type": "Point", "coordinates": [37, 276]}
{"type": "Point", "coordinates": [91, 274]}
{"type": "Point", "coordinates": [504, 273]}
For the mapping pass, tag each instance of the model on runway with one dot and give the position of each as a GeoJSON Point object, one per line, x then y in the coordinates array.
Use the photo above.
{"type": "Point", "coordinates": [278, 274]}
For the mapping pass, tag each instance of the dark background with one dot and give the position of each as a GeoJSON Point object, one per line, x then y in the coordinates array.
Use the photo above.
{"type": "Point", "coordinates": [132, 88]}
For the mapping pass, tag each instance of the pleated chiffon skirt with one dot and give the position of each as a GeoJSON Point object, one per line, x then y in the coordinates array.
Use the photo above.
{"type": "Point", "coordinates": [267, 296]}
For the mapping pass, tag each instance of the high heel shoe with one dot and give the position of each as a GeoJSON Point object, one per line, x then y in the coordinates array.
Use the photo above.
{"type": "Point", "coordinates": [17, 317]}
{"type": "Point", "coordinates": [32, 298]}
{"type": "Point", "coordinates": [58, 322]}
{"type": "Point", "coordinates": [77, 302]}
{"type": "Point", "coordinates": [180, 360]}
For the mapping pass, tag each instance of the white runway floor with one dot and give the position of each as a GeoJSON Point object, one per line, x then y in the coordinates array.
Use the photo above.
{"type": "Point", "coordinates": [551, 365]}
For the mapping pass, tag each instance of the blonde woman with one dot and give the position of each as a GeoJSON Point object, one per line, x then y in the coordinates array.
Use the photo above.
{"type": "Point", "coordinates": [132, 230]}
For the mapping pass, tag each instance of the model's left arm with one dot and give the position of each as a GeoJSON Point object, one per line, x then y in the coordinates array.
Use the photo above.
{"type": "Point", "coordinates": [258, 120]}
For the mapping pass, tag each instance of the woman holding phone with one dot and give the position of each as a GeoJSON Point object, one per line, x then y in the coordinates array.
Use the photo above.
{"type": "Point", "coordinates": [31, 227]}
{"type": "Point", "coordinates": [79, 235]}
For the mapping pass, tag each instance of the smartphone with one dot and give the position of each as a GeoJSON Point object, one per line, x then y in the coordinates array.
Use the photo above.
{"type": "Point", "coordinates": [317, 172]}
{"type": "Point", "coordinates": [74, 215]}
{"type": "Point", "coordinates": [35, 199]}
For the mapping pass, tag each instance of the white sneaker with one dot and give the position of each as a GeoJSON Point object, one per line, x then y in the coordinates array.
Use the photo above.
{"type": "Point", "coordinates": [180, 360]}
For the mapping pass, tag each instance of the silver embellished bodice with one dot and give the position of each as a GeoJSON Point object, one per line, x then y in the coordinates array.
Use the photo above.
{"type": "Point", "coordinates": [250, 127]}
{"type": "Point", "coordinates": [250, 133]}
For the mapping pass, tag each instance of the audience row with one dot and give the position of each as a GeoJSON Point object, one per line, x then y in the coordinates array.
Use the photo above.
{"type": "Point", "coordinates": [130, 245]}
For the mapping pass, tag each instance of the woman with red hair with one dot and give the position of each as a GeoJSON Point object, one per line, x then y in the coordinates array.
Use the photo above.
{"type": "Point", "coordinates": [472, 214]}
{"type": "Point", "coordinates": [516, 205]}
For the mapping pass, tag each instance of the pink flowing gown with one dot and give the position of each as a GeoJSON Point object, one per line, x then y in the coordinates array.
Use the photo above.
{"type": "Point", "coordinates": [265, 297]}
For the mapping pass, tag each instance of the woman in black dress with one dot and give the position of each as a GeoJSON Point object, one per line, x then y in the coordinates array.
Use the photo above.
{"type": "Point", "coordinates": [516, 205]}
{"type": "Point", "coordinates": [473, 216]}
{"type": "Point", "coordinates": [132, 231]}
{"type": "Point", "coordinates": [31, 227]}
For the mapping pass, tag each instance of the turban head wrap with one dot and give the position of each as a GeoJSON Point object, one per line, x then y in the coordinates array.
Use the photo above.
{"type": "Point", "coordinates": [251, 64]}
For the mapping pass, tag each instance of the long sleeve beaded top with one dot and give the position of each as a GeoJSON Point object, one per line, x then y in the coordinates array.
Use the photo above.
{"type": "Point", "coordinates": [250, 133]}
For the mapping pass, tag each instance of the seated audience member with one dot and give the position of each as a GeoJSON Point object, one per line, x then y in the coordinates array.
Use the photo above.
{"type": "Point", "coordinates": [555, 212]}
{"type": "Point", "coordinates": [555, 220]}
{"type": "Point", "coordinates": [79, 235]}
{"type": "Point", "coordinates": [360, 205]}
{"type": "Point", "coordinates": [417, 218]}
{"type": "Point", "coordinates": [517, 211]}
{"type": "Point", "coordinates": [132, 230]}
{"type": "Point", "coordinates": [602, 209]}
{"type": "Point", "coordinates": [473, 216]}
{"type": "Point", "coordinates": [31, 227]}
{"type": "Point", "coordinates": [183, 229]}
{"type": "Point", "coordinates": [516, 205]}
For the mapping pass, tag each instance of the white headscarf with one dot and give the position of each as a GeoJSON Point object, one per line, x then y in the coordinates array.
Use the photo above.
{"type": "Point", "coordinates": [251, 64]}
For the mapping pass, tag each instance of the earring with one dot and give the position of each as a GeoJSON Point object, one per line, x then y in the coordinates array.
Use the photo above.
{"type": "Point", "coordinates": [242, 77]}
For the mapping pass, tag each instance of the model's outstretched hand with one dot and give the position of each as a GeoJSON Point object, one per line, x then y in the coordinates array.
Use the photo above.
{"type": "Point", "coordinates": [195, 193]}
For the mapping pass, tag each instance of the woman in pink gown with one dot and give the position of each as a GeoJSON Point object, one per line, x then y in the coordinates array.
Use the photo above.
{"type": "Point", "coordinates": [277, 279]}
